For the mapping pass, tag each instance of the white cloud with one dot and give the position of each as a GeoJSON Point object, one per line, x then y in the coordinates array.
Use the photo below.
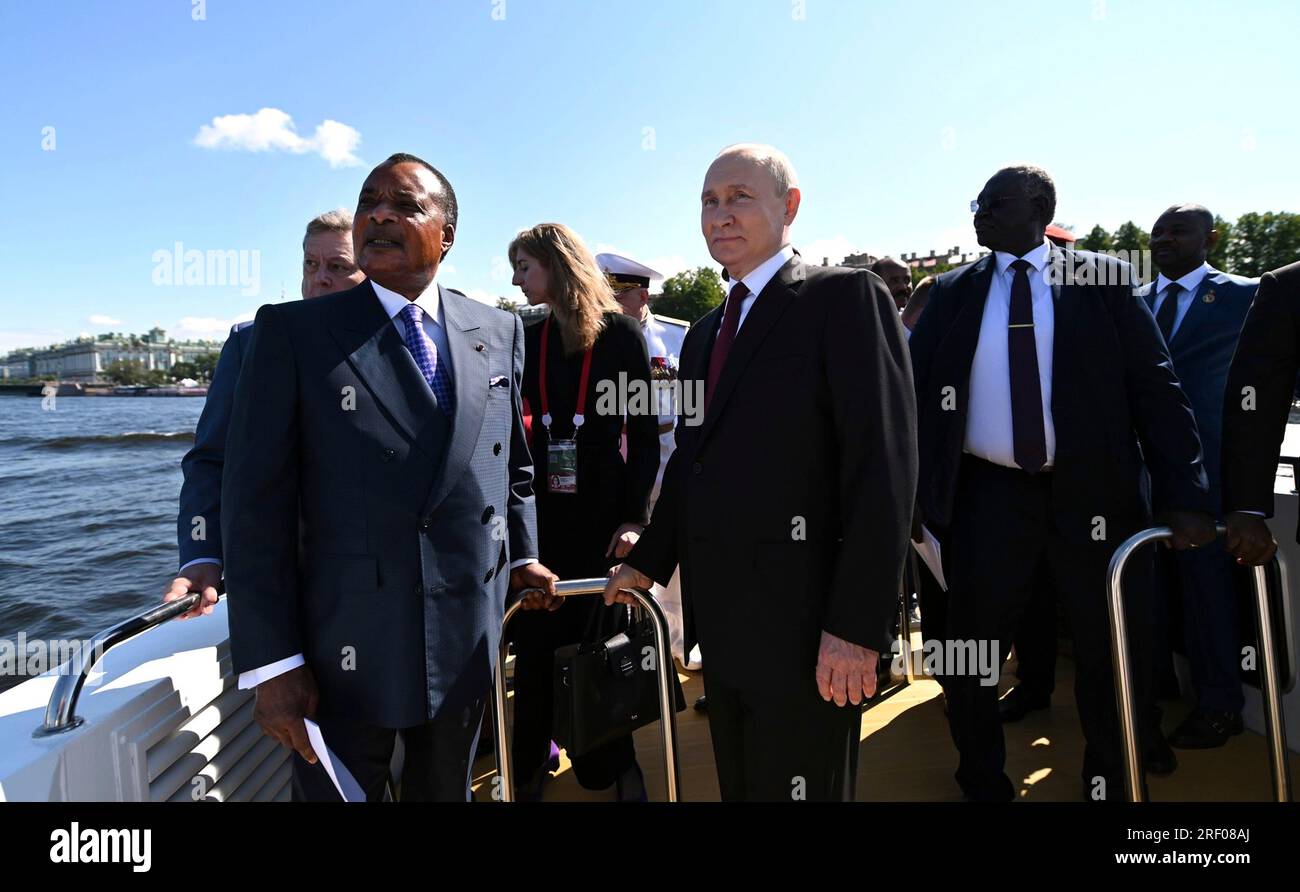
{"type": "Point", "coordinates": [200, 327]}
{"type": "Point", "coordinates": [272, 130]}
{"type": "Point", "coordinates": [447, 268]}
{"type": "Point", "coordinates": [101, 319]}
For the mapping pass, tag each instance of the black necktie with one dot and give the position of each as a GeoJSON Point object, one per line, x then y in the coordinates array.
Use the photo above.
{"type": "Point", "coordinates": [1028, 435]}
{"type": "Point", "coordinates": [1168, 310]}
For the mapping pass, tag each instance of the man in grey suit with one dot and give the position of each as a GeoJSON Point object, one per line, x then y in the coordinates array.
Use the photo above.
{"type": "Point", "coordinates": [327, 266]}
{"type": "Point", "coordinates": [378, 504]}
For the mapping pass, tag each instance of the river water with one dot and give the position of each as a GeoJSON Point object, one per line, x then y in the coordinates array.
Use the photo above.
{"type": "Point", "coordinates": [88, 501]}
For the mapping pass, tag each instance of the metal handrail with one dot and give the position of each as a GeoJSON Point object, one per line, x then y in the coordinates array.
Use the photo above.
{"type": "Point", "coordinates": [1270, 683]}
{"type": "Point", "coordinates": [60, 711]}
{"type": "Point", "coordinates": [667, 708]}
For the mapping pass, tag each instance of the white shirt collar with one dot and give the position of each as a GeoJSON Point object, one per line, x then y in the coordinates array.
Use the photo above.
{"type": "Point", "coordinates": [1037, 257]}
{"type": "Point", "coordinates": [760, 275]}
{"type": "Point", "coordinates": [429, 301]}
{"type": "Point", "coordinates": [1190, 282]}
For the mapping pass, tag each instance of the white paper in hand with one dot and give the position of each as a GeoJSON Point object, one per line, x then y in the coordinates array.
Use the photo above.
{"type": "Point", "coordinates": [928, 549]}
{"type": "Point", "coordinates": [343, 780]}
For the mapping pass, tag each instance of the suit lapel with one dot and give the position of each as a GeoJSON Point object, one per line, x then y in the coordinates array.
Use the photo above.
{"type": "Point", "coordinates": [767, 308]}
{"type": "Point", "coordinates": [963, 335]}
{"type": "Point", "coordinates": [1067, 320]}
{"type": "Point", "coordinates": [1197, 310]}
{"type": "Point", "coordinates": [383, 363]}
{"type": "Point", "coordinates": [469, 369]}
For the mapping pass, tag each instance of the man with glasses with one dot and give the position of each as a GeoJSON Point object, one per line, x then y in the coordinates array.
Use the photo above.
{"type": "Point", "coordinates": [1038, 373]}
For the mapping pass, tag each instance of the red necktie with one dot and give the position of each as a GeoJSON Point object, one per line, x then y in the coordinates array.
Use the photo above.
{"type": "Point", "coordinates": [722, 346]}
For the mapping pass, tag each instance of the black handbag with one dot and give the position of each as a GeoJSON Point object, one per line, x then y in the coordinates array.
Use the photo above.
{"type": "Point", "coordinates": [607, 689]}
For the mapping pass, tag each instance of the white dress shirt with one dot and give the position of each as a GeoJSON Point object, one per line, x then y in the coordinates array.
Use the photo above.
{"type": "Point", "coordinates": [989, 432]}
{"type": "Point", "coordinates": [433, 322]}
{"type": "Point", "coordinates": [1190, 283]}
{"type": "Point", "coordinates": [757, 280]}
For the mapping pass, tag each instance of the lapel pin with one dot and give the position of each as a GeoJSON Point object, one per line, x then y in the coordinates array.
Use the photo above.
{"type": "Point", "coordinates": [479, 347]}
{"type": "Point", "coordinates": [1208, 298]}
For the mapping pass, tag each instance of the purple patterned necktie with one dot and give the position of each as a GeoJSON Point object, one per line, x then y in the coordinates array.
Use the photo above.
{"type": "Point", "coordinates": [1029, 440]}
{"type": "Point", "coordinates": [425, 354]}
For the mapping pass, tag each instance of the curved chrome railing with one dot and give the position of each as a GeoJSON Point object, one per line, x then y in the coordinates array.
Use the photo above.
{"type": "Point", "coordinates": [1270, 681]}
{"type": "Point", "coordinates": [60, 712]}
{"type": "Point", "coordinates": [667, 708]}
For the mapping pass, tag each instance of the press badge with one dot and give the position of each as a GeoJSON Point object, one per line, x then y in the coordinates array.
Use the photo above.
{"type": "Point", "coordinates": [562, 466]}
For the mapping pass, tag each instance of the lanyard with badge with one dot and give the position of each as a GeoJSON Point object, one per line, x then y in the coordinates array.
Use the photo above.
{"type": "Point", "coordinates": [562, 455]}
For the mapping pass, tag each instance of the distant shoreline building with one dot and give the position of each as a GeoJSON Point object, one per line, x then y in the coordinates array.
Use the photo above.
{"type": "Point", "coordinates": [954, 257]}
{"type": "Point", "coordinates": [84, 360]}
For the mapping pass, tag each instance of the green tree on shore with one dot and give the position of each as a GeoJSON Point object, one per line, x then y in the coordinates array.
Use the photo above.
{"type": "Point", "coordinates": [691, 294]}
{"type": "Point", "coordinates": [205, 365]}
{"type": "Point", "coordinates": [1251, 246]}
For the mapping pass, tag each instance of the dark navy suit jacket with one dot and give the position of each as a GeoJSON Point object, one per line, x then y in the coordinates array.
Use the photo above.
{"type": "Point", "coordinates": [202, 465]}
{"type": "Point", "coordinates": [1202, 348]}
{"type": "Point", "coordinates": [363, 528]}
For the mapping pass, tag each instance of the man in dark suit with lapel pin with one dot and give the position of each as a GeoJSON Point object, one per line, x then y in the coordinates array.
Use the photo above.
{"type": "Point", "coordinates": [1200, 311]}
{"type": "Point", "coordinates": [1261, 387]}
{"type": "Point", "coordinates": [787, 503]}
{"type": "Point", "coordinates": [1038, 374]}
{"type": "Point", "coordinates": [377, 504]}
{"type": "Point", "coordinates": [328, 265]}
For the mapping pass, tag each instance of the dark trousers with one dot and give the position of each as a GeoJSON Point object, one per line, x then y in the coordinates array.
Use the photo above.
{"type": "Point", "coordinates": [1003, 532]}
{"type": "Point", "coordinates": [1035, 642]}
{"type": "Point", "coordinates": [933, 600]}
{"type": "Point", "coordinates": [536, 635]}
{"type": "Point", "coordinates": [773, 746]}
{"type": "Point", "coordinates": [437, 765]}
{"type": "Point", "coordinates": [1210, 626]}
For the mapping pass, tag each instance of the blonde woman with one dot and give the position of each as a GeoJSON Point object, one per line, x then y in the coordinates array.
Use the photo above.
{"type": "Point", "coordinates": [591, 502]}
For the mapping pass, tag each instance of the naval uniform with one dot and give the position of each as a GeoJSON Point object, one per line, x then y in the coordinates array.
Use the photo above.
{"type": "Point", "coordinates": [664, 337]}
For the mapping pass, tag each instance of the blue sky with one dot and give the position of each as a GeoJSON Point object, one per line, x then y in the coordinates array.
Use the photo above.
{"type": "Point", "coordinates": [604, 116]}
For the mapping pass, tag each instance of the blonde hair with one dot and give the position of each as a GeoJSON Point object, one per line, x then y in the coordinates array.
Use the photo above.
{"type": "Point", "coordinates": [578, 292]}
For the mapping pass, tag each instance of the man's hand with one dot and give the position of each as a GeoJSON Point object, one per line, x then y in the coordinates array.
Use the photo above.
{"type": "Point", "coordinates": [1249, 539]}
{"type": "Point", "coordinates": [535, 575]}
{"type": "Point", "coordinates": [846, 672]}
{"type": "Point", "coordinates": [197, 578]}
{"type": "Point", "coordinates": [623, 539]}
{"type": "Point", "coordinates": [1192, 529]}
{"type": "Point", "coordinates": [282, 703]}
{"type": "Point", "coordinates": [623, 576]}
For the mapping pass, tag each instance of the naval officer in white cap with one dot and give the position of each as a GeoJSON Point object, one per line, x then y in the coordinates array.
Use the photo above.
{"type": "Point", "coordinates": [663, 336]}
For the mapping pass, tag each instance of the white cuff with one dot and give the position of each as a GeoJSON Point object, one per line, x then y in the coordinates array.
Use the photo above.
{"type": "Point", "coordinates": [189, 564]}
{"type": "Point", "coordinates": [514, 565]}
{"type": "Point", "coordinates": [254, 677]}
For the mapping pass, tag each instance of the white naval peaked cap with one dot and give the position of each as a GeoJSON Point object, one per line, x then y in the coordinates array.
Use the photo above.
{"type": "Point", "coordinates": [627, 271]}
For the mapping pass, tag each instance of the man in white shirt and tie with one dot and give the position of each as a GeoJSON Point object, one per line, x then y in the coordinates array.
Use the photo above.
{"type": "Point", "coordinates": [1201, 311]}
{"type": "Point", "coordinates": [377, 505]}
{"type": "Point", "coordinates": [1038, 373]}
{"type": "Point", "coordinates": [787, 506]}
